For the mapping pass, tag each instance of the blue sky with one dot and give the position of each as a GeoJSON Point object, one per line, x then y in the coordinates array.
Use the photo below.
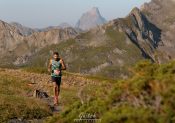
{"type": "Point", "coordinates": [43, 13]}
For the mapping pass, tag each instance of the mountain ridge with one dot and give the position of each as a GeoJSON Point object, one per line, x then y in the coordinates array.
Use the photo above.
{"type": "Point", "coordinates": [107, 50]}
{"type": "Point", "coordinates": [19, 47]}
{"type": "Point", "coordinates": [161, 13]}
{"type": "Point", "coordinates": [110, 49]}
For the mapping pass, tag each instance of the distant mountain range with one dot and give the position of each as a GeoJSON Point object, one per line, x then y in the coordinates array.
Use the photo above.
{"type": "Point", "coordinates": [23, 29]}
{"type": "Point", "coordinates": [106, 50]}
{"type": "Point", "coordinates": [90, 19]}
{"type": "Point", "coordinates": [16, 45]}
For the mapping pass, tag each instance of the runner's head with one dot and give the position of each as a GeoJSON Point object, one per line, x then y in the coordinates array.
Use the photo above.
{"type": "Point", "coordinates": [55, 55]}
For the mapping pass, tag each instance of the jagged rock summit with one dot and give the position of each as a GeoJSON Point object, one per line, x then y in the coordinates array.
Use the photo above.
{"type": "Point", "coordinates": [90, 19]}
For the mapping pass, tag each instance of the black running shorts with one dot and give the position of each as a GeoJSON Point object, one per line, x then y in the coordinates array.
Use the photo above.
{"type": "Point", "coordinates": [56, 79]}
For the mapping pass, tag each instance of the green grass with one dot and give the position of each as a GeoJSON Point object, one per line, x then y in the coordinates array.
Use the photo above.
{"type": "Point", "coordinates": [118, 40]}
{"type": "Point", "coordinates": [148, 97]}
{"type": "Point", "coordinates": [14, 102]}
{"type": "Point", "coordinates": [116, 37]}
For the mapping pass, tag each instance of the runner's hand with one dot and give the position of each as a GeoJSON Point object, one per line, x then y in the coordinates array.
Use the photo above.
{"type": "Point", "coordinates": [49, 70]}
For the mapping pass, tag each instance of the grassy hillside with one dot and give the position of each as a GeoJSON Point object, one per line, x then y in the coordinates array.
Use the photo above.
{"type": "Point", "coordinates": [147, 97]}
{"type": "Point", "coordinates": [14, 102]}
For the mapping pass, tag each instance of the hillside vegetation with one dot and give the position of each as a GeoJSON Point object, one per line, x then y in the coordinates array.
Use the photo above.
{"type": "Point", "coordinates": [147, 97]}
{"type": "Point", "coordinates": [14, 102]}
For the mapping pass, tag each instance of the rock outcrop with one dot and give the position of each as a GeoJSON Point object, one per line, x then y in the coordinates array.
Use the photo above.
{"type": "Point", "coordinates": [145, 35]}
{"type": "Point", "coordinates": [161, 13]}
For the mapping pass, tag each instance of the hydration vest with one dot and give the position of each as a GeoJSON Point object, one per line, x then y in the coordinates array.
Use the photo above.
{"type": "Point", "coordinates": [56, 68]}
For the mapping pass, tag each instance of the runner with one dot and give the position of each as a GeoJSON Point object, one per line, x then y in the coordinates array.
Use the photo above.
{"type": "Point", "coordinates": [56, 65]}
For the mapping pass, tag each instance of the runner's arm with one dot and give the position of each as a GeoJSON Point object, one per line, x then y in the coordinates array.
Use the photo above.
{"type": "Point", "coordinates": [49, 66]}
{"type": "Point", "coordinates": [63, 65]}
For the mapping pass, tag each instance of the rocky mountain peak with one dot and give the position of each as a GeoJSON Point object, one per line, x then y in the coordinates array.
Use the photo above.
{"type": "Point", "coordinates": [94, 11]}
{"type": "Point", "coordinates": [25, 31]}
{"type": "Point", "coordinates": [1, 22]}
{"type": "Point", "coordinates": [138, 18]}
{"type": "Point", "coordinates": [135, 10]}
{"type": "Point", "coordinates": [90, 19]}
{"type": "Point", "coordinates": [4, 25]}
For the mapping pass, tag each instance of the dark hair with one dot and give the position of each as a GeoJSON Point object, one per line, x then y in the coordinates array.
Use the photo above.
{"type": "Point", "coordinates": [55, 53]}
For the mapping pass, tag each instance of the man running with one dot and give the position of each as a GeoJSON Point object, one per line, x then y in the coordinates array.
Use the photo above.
{"type": "Point", "coordinates": [55, 66]}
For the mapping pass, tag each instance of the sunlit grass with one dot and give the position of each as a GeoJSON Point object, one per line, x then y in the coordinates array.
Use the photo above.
{"type": "Point", "coordinates": [14, 102]}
